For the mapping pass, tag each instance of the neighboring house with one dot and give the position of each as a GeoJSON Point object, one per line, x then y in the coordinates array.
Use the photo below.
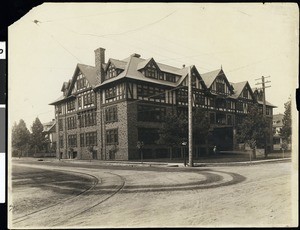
{"type": "Point", "coordinates": [105, 110]}
{"type": "Point", "coordinates": [277, 125]}
{"type": "Point", "coordinates": [51, 136]}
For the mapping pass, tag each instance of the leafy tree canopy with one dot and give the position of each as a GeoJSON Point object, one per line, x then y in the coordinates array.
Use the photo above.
{"type": "Point", "coordinates": [20, 135]}
{"type": "Point", "coordinates": [286, 130]}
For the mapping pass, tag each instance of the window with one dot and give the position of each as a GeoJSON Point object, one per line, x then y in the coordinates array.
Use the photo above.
{"type": "Point", "coordinates": [72, 140]}
{"type": "Point", "coordinates": [111, 71]}
{"type": "Point", "coordinates": [88, 118]}
{"type": "Point", "coordinates": [239, 106]}
{"type": "Point", "coordinates": [79, 100]}
{"type": "Point", "coordinates": [82, 140]}
{"type": "Point", "coordinates": [170, 77]}
{"type": "Point", "coordinates": [111, 92]}
{"type": "Point", "coordinates": [88, 98]}
{"type": "Point", "coordinates": [71, 123]}
{"type": "Point", "coordinates": [150, 91]}
{"type": "Point", "coordinates": [229, 105]}
{"type": "Point", "coordinates": [112, 136]}
{"type": "Point", "coordinates": [199, 99]}
{"type": "Point", "coordinates": [151, 71]}
{"type": "Point", "coordinates": [60, 125]}
{"type": "Point", "coordinates": [221, 119]}
{"type": "Point", "coordinates": [91, 139]}
{"type": "Point", "coordinates": [220, 103]}
{"type": "Point", "coordinates": [182, 96]}
{"type": "Point", "coordinates": [151, 113]}
{"type": "Point", "coordinates": [220, 87]}
{"type": "Point", "coordinates": [245, 93]}
{"type": "Point", "coordinates": [81, 83]}
{"type": "Point", "coordinates": [211, 102]}
{"type": "Point", "coordinates": [111, 114]}
{"type": "Point", "coordinates": [71, 105]}
{"type": "Point", "coordinates": [61, 141]}
{"type": "Point", "coordinates": [58, 108]}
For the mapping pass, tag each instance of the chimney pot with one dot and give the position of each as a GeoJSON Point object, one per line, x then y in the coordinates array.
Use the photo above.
{"type": "Point", "coordinates": [136, 55]}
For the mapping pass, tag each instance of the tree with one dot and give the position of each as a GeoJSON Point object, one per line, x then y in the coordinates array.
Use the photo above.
{"type": "Point", "coordinates": [201, 126]}
{"type": "Point", "coordinates": [173, 131]}
{"type": "Point", "coordinates": [286, 130]}
{"type": "Point", "coordinates": [253, 129]}
{"type": "Point", "coordinates": [20, 137]}
{"type": "Point", "coordinates": [38, 139]}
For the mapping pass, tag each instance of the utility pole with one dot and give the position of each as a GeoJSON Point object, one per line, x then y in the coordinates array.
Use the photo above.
{"type": "Point", "coordinates": [263, 83]}
{"type": "Point", "coordinates": [190, 117]}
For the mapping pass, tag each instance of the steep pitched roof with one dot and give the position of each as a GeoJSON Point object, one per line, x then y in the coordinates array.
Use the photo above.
{"type": "Point", "coordinates": [48, 126]}
{"type": "Point", "coordinates": [61, 98]}
{"type": "Point", "coordinates": [132, 71]}
{"type": "Point", "coordinates": [89, 72]}
{"type": "Point", "coordinates": [277, 120]}
{"type": "Point", "coordinates": [209, 77]}
{"type": "Point", "coordinates": [238, 88]}
{"type": "Point", "coordinates": [117, 63]}
{"type": "Point", "coordinates": [267, 103]}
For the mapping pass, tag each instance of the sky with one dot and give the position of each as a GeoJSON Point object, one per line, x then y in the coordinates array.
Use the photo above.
{"type": "Point", "coordinates": [247, 40]}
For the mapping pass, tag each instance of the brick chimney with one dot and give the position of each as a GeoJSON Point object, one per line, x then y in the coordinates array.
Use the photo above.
{"type": "Point", "coordinates": [99, 61]}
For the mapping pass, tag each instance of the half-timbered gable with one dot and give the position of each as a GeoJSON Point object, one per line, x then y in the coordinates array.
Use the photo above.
{"type": "Point", "coordinates": [113, 68]}
{"type": "Point", "coordinates": [150, 69]}
{"type": "Point", "coordinates": [216, 81]}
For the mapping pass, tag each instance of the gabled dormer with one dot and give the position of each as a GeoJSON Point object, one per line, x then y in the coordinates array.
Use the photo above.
{"type": "Point", "coordinates": [84, 78]}
{"type": "Point", "coordinates": [217, 82]}
{"type": "Point", "coordinates": [150, 69]}
{"type": "Point", "coordinates": [65, 88]}
{"type": "Point", "coordinates": [247, 93]}
{"type": "Point", "coordinates": [81, 83]}
{"type": "Point", "coordinates": [242, 90]}
{"type": "Point", "coordinates": [114, 68]}
{"type": "Point", "coordinates": [197, 81]}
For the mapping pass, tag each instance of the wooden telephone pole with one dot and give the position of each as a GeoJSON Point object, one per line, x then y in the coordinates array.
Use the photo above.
{"type": "Point", "coordinates": [190, 117]}
{"type": "Point", "coordinates": [263, 83]}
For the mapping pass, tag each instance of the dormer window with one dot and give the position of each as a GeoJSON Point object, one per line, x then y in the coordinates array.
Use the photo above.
{"type": "Point", "coordinates": [220, 86]}
{"type": "Point", "coordinates": [170, 77]}
{"type": "Point", "coordinates": [111, 72]}
{"type": "Point", "coordinates": [81, 83]}
{"type": "Point", "coordinates": [245, 93]}
{"type": "Point", "coordinates": [151, 71]}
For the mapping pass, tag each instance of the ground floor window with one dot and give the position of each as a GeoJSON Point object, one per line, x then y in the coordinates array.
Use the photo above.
{"type": "Point", "coordinates": [72, 140]}
{"type": "Point", "coordinates": [112, 136]}
{"type": "Point", "coordinates": [91, 139]}
{"type": "Point", "coordinates": [61, 141]}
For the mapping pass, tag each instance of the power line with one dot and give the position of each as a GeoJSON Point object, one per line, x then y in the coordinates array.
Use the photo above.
{"type": "Point", "coordinates": [61, 45]}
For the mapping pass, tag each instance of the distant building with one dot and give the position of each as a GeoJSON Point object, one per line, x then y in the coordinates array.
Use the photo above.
{"type": "Point", "coordinates": [277, 125]}
{"type": "Point", "coordinates": [107, 108]}
{"type": "Point", "coordinates": [51, 136]}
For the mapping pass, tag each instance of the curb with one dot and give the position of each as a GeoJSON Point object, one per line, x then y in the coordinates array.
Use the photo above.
{"type": "Point", "coordinates": [157, 164]}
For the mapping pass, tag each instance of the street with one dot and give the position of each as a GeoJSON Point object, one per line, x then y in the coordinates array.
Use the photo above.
{"type": "Point", "coordinates": [84, 194]}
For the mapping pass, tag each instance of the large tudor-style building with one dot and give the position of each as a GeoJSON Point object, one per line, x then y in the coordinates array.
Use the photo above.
{"type": "Point", "coordinates": [106, 109]}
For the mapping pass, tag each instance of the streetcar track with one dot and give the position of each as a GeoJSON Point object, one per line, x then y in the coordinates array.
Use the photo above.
{"type": "Point", "coordinates": [95, 182]}
{"type": "Point", "coordinates": [100, 202]}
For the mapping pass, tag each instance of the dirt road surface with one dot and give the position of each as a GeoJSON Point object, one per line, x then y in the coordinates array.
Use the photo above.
{"type": "Point", "coordinates": [54, 195]}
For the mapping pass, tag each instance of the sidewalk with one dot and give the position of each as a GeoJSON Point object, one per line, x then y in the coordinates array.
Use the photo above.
{"type": "Point", "coordinates": [213, 160]}
{"type": "Point", "coordinates": [176, 163]}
